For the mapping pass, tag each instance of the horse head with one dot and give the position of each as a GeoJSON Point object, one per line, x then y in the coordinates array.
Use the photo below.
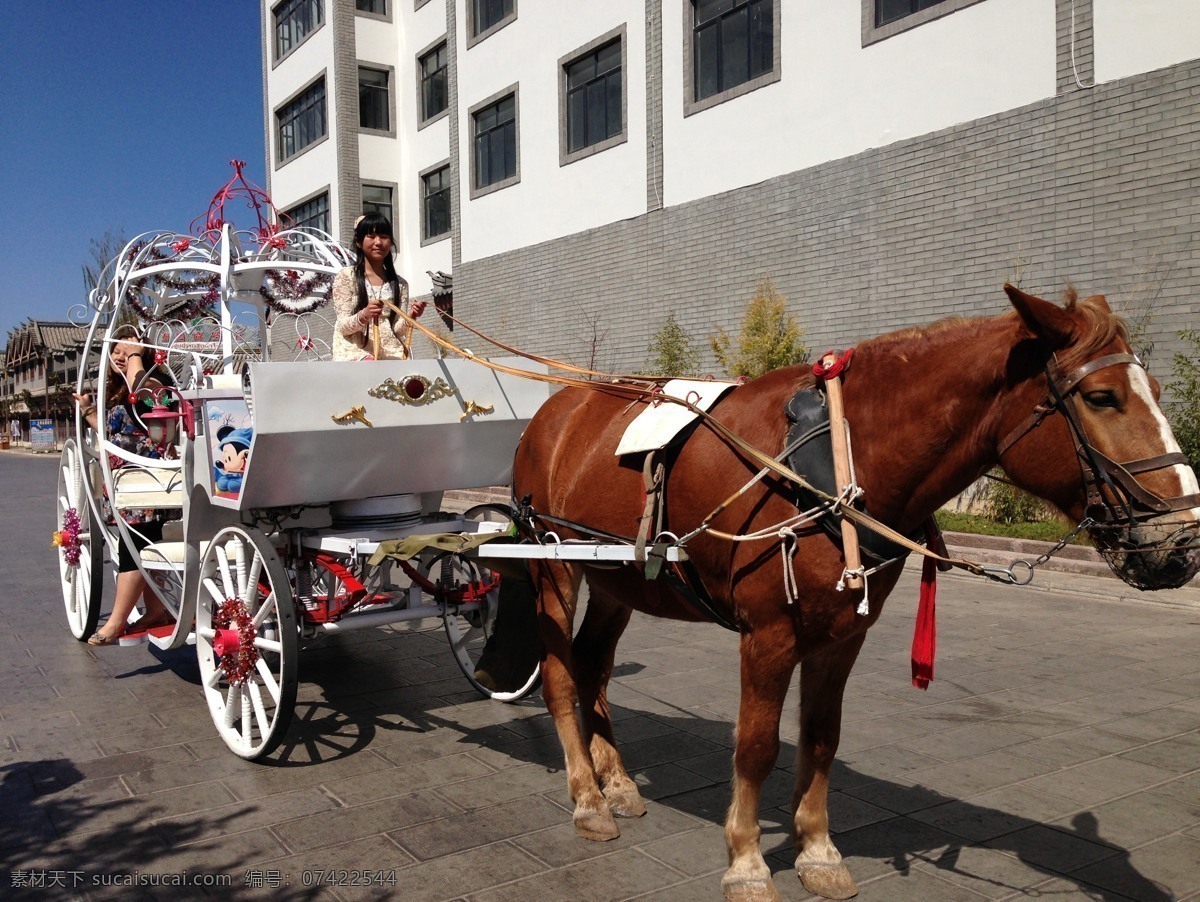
{"type": "Point", "coordinates": [1089, 436]}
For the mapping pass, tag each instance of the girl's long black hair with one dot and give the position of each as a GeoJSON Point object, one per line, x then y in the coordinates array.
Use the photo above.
{"type": "Point", "coordinates": [374, 224]}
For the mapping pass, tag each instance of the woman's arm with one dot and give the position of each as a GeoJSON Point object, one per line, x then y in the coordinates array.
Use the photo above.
{"type": "Point", "coordinates": [345, 300]}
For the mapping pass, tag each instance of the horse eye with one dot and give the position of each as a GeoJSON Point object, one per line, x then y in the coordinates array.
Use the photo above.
{"type": "Point", "coordinates": [1100, 398]}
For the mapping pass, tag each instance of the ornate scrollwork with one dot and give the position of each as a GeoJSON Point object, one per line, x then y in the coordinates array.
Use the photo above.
{"type": "Point", "coordinates": [415, 390]}
{"type": "Point", "coordinates": [356, 413]}
{"type": "Point", "coordinates": [475, 409]}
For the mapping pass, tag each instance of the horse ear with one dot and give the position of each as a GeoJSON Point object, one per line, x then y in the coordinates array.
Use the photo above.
{"type": "Point", "coordinates": [1049, 322]}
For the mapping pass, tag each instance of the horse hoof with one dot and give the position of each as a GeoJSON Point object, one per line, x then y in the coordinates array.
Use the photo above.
{"type": "Point", "coordinates": [831, 881]}
{"type": "Point", "coordinates": [750, 891]}
{"type": "Point", "coordinates": [598, 826]}
{"type": "Point", "coordinates": [625, 802]}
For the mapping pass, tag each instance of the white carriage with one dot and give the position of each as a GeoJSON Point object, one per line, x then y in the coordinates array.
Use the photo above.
{"type": "Point", "coordinates": [335, 522]}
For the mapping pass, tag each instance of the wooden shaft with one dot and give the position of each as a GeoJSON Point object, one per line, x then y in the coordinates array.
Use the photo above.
{"type": "Point", "coordinates": [375, 338]}
{"type": "Point", "coordinates": [841, 470]}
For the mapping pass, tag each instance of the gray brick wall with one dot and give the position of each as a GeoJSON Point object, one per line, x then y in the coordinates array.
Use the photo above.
{"type": "Point", "coordinates": [1095, 187]}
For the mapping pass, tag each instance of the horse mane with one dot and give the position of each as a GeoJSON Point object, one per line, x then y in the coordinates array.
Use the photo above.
{"type": "Point", "coordinates": [1098, 326]}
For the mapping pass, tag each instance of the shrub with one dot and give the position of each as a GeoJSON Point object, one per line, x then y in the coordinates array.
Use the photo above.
{"type": "Point", "coordinates": [770, 337]}
{"type": "Point", "coordinates": [1008, 504]}
{"type": "Point", "coordinates": [671, 351]}
{"type": "Point", "coordinates": [1183, 410]}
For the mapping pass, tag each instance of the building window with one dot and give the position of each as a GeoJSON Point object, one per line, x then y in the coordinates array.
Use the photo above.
{"type": "Point", "coordinates": [494, 147]}
{"type": "Point", "coordinates": [302, 121]}
{"type": "Point", "coordinates": [593, 97]}
{"type": "Point", "coordinates": [377, 199]}
{"type": "Point", "coordinates": [312, 214]}
{"type": "Point", "coordinates": [434, 86]}
{"type": "Point", "coordinates": [487, 16]}
{"type": "Point", "coordinates": [377, 7]}
{"type": "Point", "coordinates": [294, 19]}
{"type": "Point", "coordinates": [732, 43]}
{"type": "Point", "coordinates": [886, 18]}
{"type": "Point", "coordinates": [373, 99]}
{"type": "Point", "coordinates": [435, 203]}
{"type": "Point", "coordinates": [891, 10]}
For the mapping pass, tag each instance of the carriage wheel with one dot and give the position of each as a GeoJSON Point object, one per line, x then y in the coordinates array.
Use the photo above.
{"type": "Point", "coordinates": [82, 583]}
{"type": "Point", "coordinates": [246, 641]}
{"type": "Point", "coordinates": [499, 655]}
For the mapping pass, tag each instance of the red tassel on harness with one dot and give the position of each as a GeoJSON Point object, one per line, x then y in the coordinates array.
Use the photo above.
{"type": "Point", "coordinates": [924, 646]}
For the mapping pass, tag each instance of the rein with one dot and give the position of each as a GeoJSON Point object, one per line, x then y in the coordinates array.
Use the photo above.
{"type": "Point", "coordinates": [767, 463]}
{"type": "Point", "coordinates": [646, 389]}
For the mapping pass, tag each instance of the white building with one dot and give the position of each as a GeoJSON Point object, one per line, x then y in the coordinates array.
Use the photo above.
{"type": "Point", "coordinates": [582, 168]}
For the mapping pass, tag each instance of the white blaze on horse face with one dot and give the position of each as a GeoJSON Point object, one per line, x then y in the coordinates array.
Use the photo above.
{"type": "Point", "coordinates": [1140, 383]}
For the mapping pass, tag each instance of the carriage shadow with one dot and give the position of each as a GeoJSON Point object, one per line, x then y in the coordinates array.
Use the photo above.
{"type": "Point", "coordinates": [66, 833]}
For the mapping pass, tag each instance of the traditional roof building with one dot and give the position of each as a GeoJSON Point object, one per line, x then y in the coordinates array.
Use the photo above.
{"type": "Point", "coordinates": [597, 166]}
{"type": "Point", "coordinates": [41, 365]}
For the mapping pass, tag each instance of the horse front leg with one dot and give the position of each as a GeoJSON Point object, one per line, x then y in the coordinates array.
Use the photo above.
{"type": "Point", "coordinates": [595, 649]}
{"type": "Point", "coordinates": [823, 679]}
{"type": "Point", "coordinates": [768, 659]}
{"type": "Point", "coordinates": [558, 591]}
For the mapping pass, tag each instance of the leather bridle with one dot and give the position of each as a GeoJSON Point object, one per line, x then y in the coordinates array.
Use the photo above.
{"type": "Point", "coordinates": [1126, 502]}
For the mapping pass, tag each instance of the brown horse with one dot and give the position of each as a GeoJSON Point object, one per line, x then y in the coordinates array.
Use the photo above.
{"type": "Point", "coordinates": [1051, 393]}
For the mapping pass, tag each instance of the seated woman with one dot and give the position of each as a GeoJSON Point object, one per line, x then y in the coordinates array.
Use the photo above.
{"type": "Point", "coordinates": [359, 293]}
{"type": "Point", "coordinates": [129, 372]}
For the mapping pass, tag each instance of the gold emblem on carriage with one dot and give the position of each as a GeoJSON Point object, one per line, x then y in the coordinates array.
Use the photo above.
{"type": "Point", "coordinates": [415, 390]}
{"type": "Point", "coordinates": [357, 413]}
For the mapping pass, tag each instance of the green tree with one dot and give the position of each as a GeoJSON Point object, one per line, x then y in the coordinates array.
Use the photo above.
{"type": "Point", "coordinates": [671, 351]}
{"type": "Point", "coordinates": [1183, 410]}
{"type": "Point", "coordinates": [770, 337]}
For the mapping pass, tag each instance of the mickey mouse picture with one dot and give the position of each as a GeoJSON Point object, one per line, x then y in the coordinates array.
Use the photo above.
{"type": "Point", "coordinates": [229, 465]}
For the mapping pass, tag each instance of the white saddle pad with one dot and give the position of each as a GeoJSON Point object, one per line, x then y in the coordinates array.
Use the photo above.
{"type": "Point", "coordinates": [655, 426]}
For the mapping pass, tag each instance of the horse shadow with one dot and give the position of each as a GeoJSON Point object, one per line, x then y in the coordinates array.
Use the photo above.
{"type": "Point", "coordinates": [682, 761]}
{"type": "Point", "coordinates": [881, 826]}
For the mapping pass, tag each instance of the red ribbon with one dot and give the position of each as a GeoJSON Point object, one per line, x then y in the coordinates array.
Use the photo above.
{"type": "Point", "coordinates": [841, 362]}
{"type": "Point", "coordinates": [924, 646]}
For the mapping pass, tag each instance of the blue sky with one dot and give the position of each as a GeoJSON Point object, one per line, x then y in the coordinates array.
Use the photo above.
{"type": "Point", "coordinates": [115, 115]}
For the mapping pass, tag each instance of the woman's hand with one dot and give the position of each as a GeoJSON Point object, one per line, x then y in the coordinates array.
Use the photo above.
{"type": "Point", "coordinates": [87, 409]}
{"type": "Point", "coordinates": [126, 359]}
{"type": "Point", "coordinates": [372, 311]}
{"type": "Point", "coordinates": [417, 308]}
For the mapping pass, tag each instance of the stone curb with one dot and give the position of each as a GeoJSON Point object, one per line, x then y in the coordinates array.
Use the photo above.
{"type": "Point", "coordinates": [1076, 569]}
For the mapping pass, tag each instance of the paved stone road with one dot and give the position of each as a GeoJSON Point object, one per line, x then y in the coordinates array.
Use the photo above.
{"type": "Point", "coordinates": [1056, 755]}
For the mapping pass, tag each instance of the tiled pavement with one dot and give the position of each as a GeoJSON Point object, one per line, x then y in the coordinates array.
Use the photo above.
{"type": "Point", "coordinates": [1056, 755]}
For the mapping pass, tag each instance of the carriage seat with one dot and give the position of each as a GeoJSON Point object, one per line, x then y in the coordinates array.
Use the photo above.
{"type": "Point", "coordinates": [141, 487]}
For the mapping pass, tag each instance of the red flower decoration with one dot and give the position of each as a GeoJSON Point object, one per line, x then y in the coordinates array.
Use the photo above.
{"type": "Point", "coordinates": [181, 245]}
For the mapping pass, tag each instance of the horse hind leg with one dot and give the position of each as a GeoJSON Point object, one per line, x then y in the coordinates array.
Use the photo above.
{"type": "Point", "coordinates": [558, 590]}
{"type": "Point", "coordinates": [595, 649]}
{"type": "Point", "coordinates": [822, 684]}
{"type": "Point", "coordinates": [768, 659]}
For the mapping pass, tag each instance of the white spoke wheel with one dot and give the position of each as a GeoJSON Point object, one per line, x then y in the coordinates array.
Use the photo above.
{"type": "Point", "coordinates": [246, 641]}
{"type": "Point", "coordinates": [492, 634]}
{"type": "Point", "coordinates": [81, 576]}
